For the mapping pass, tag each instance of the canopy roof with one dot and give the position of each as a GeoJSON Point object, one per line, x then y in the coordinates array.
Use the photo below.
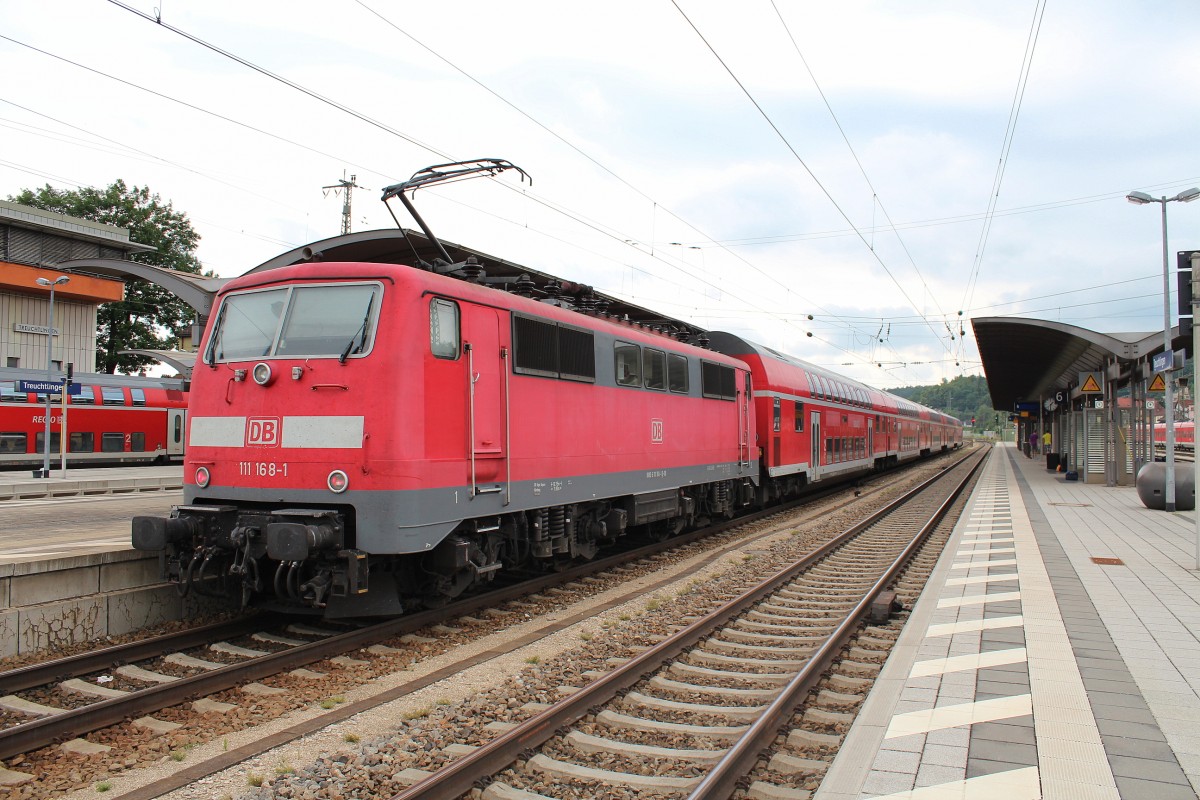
{"type": "Point", "coordinates": [1028, 359]}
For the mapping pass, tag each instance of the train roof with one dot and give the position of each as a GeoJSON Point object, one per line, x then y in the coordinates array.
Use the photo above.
{"type": "Point", "coordinates": [94, 378]}
{"type": "Point", "coordinates": [771, 359]}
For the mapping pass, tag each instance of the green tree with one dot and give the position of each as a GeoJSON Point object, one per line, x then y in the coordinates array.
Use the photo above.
{"type": "Point", "coordinates": [149, 315]}
{"type": "Point", "coordinates": [964, 397]}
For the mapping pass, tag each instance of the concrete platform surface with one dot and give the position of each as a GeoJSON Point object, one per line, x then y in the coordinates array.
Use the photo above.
{"type": "Point", "coordinates": [20, 484]}
{"type": "Point", "coordinates": [1054, 654]}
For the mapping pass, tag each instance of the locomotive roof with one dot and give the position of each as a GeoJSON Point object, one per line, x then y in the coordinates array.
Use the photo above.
{"type": "Point", "coordinates": [408, 247]}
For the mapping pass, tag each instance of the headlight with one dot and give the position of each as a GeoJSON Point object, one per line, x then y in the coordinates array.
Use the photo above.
{"type": "Point", "coordinates": [263, 374]}
{"type": "Point", "coordinates": [338, 482]}
{"type": "Point", "coordinates": [202, 477]}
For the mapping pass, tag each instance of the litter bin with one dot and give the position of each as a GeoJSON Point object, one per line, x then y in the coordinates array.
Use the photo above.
{"type": "Point", "coordinates": [1052, 461]}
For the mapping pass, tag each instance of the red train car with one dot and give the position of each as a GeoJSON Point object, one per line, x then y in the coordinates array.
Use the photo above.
{"type": "Point", "coordinates": [115, 419]}
{"type": "Point", "coordinates": [815, 424]}
{"type": "Point", "coordinates": [356, 419]}
{"type": "Point", "coordinates": [1185, 435]}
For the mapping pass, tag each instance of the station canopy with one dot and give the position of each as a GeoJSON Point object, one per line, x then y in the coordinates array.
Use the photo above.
{"type": "Point", "coordinates": [1029, 359]}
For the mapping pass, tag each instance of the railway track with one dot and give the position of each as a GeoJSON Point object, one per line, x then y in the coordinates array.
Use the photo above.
{"type": "Point", "coordinates": [694, 713]}
{"type": "Point", "coordinates": [66, 698]}
{"type": "Point", "coordinates": [238, 669]}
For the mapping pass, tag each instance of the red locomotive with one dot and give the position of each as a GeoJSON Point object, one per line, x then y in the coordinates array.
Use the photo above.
{"type": "Point", "coordinates": [364, 437]}
{"type": "Point", "coordinates": [115, 419]}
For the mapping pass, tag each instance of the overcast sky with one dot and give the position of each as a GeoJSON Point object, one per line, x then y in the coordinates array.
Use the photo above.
{"type": "Point", "coordinates": [740, 165]}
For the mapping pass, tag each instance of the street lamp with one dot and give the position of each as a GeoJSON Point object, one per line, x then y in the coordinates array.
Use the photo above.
{"type": "Point", "coordinates": [1141, 199]}
{"type": "Point", "coordinates": [61, 279]}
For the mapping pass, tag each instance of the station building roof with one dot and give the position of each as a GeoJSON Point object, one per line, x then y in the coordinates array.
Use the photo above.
{"type": "Point", "coordinates": [1028, 359]}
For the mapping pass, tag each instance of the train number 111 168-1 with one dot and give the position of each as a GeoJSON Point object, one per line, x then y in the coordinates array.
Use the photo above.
{"type": "Point", "coordinates": [262, 469]}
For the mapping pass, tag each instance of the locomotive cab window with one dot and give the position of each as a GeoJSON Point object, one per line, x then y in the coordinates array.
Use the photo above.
{"type": "Point", "coordinates": [628, 364]}
{"type": "Point", "coordinates": [443, 328]}
{"type": "Point", "coordinates": [334, 320]}
{"type": "Point", "coordinates": [654, 369]}
{"type": "Point", "coordinates": [677, 373]}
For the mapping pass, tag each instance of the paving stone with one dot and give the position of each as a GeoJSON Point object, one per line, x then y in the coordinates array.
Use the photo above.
{"type": "Point", "coordinates": [1137, 748]}
{"type": "Point", "coordinates": [1129, 730]}
{"type": "Point", "coordinates": [1136, 789]}
{"type": "Point", "coordinates": [1007, 751]}
{"type": "Point", "coordinates": [1147, 769]}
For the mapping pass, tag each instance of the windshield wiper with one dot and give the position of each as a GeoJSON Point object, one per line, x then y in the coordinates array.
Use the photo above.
{"type": "Point", "coordinates": [362, 329]}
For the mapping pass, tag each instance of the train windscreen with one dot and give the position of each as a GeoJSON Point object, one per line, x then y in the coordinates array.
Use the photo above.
{"type": "Point", "coordinates": [301, 321]}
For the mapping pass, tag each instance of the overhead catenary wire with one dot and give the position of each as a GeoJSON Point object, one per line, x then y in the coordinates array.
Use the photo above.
{"type": "Point", "coordinates": [799, 159]}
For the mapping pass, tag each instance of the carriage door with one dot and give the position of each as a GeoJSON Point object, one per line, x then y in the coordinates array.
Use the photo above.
{"type": "Point", "coordinates": [487, 400]}
{"type": "Point", "coordinates": [744, 395]}
{"type": "Point", "coordinates": [175, 429]}
{"type": "Point", "coordinates": [814, 456]}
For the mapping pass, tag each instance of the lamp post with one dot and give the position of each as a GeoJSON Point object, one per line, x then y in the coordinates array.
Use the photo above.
{"type": "Point", "coordinates": [1141, 199]}
{"type": "Point", "coordinates": [61, 279]}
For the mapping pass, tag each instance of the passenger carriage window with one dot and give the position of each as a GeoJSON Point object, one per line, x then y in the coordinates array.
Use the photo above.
{"type": "Point", "coordinates": [654, 368]}
{"type": "Point", "coordinates": [799, 417]}
{"type": "Point", "coordinates": [85, 442]}
{"type": "Point", "coordinates": [443, 328]}
{"type": "Point", "coordinates": [138, 396]}
{"type": "Point", "coordinates": [109, 442]}
{"type": "Point", "coordinates": [677, 373]}
{"type": "Point", "coordinates": [112, 395]}
{"type": "Point", "coordinates": [777, 406]}
{"type": "Point", "coordinates": [137, 442]}
{"type": "Point", "coordinates": [39, 442]}
{"type": "Point", "coordinates": [86, 396]}
{"type": "Point", "coordinates": [13, 442]}
{"type": "Point", "coordinates": [627, 362]}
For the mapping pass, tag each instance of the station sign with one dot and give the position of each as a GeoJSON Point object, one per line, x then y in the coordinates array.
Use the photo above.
{"type": "Point", "coordinates": [1161, 362]}
{"type": "Point", "coordinates": [1027, 405]}
{"type": "Point", "coordinates": [47, 387]}
{"type": "Point", "coordinates": [21, 327]}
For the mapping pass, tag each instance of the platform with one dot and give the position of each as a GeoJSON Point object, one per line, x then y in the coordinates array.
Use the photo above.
{"type": "Point", "coordinates": [19, 484]}
{"type": "Point", "coordinates": [1055, 653]}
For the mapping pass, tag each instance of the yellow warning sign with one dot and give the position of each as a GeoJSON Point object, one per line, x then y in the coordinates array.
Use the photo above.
{"type": "Point", "coordinates": [1091, 385]}
{"type": "Point", "coordinates": [1158, 384]}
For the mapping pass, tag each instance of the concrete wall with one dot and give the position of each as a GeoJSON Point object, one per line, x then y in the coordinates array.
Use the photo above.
{"type": "Point", "coordinates": [48, 604]}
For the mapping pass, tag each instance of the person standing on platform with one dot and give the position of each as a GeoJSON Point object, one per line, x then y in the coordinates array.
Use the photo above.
{"type": "Point", "coordinates": [1046, 440]}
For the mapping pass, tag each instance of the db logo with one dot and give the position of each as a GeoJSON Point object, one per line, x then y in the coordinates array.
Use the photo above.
{"type": "Point", "coordinates": [262, 432]}
{"type": "Point", "coordinates": [656, 431]}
